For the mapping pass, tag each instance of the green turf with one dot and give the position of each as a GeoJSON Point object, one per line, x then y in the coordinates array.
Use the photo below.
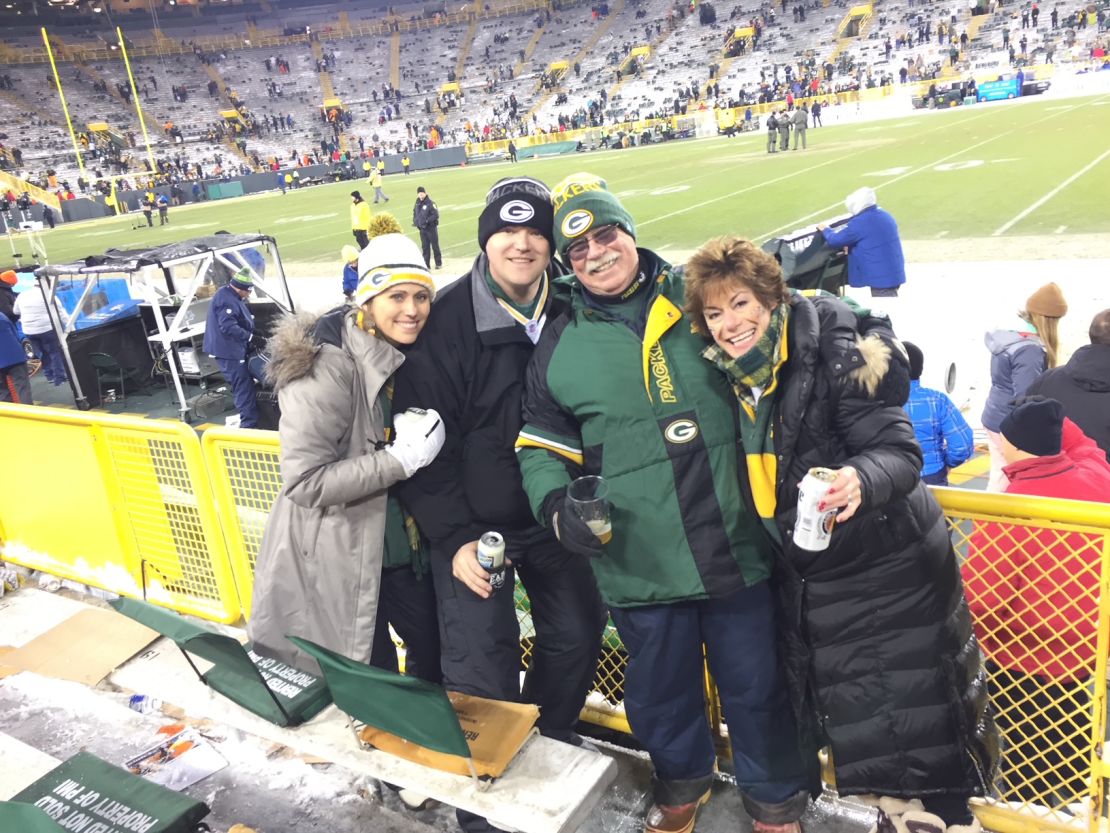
{"type": "Point", "coordinates": [961, 173]}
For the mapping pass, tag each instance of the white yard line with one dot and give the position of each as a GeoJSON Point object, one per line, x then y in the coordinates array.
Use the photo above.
{"type": "Point", "coordinates": [1007, 226]}
{"type": "Point", "coordinates": [829, 208]}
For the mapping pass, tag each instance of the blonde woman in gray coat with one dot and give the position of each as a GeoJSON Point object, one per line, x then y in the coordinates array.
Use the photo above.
{"type": "Point", "coordinates": [334, 529]}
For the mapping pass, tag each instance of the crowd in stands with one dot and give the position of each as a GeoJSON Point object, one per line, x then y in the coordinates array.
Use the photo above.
{"type": "Point", "coordinates": [547, 71]}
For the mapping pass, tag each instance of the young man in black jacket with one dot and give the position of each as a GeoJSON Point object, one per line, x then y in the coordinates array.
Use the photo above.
{"type": "Point", "coordinates": [469, 365]}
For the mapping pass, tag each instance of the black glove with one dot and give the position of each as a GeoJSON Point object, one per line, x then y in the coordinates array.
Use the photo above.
{"type": "Point", "coordinates": [571, 530]}
{"type": "Point", "coordinates": [257, 343]}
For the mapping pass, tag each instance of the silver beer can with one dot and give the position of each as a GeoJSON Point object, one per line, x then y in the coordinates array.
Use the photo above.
{"type": "Point", "coordinates": [813, 528]}
{"type": "Point", "coordinates": [491, 556]}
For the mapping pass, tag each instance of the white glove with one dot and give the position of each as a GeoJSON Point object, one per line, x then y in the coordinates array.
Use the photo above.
{"type": "Point", "coordinates": [417, 438]}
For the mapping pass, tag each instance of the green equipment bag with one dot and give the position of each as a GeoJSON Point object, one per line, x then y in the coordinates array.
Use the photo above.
{"type": "Point", "coordinates": [93, 796]}
{"type": "Point", "coordinates": [262, 685]}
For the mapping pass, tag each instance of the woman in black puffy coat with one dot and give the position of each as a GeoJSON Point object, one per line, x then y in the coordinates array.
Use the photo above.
{"type": "Point", "coordinates": [882, 659]}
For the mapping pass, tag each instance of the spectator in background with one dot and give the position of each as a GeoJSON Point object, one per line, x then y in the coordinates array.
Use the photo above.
{"type": "Point", "coordinates": [1033, 595]}
{"type": "Point", "coordinates": [163, 203]}
{"type": "Point", "coordinates": [360, 219]}
{"type": "Point", "coordinates": [1082, 385]}
{"type": "Point", "coordinates": [425, 216]}
{"type": "Point", "coordinates": [8, 279]}
{"type": "Point", "coordinates": [15, 382]}
{"type": "Point", "coordinates": [30, 309]}
{"type": "Point", "coordinates": [1018, 357]}
{"type": "Point", "coordinates": [349, 254]}
{"type": "Point", "coordinates": [945, 438]}
{"type": "Point", "coordinates": [228, 334]}
{"type": "Point", "coordinates": [875, 257]}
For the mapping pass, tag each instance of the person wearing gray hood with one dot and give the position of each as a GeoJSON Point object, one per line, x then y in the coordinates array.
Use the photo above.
{"type": "Point", "coordinates": [336, 538]}
{"type": "Point", "coordinates": [1018, 357]}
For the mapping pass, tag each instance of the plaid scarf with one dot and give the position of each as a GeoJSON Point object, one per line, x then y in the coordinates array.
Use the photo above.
{"type": "Point", "coordinates": [755, 369]}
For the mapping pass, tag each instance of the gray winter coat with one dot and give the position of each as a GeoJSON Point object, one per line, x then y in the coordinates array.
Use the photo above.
{"type": "Point", "coordinates": [320, 562]}
{"type": "Point", "coordinates": [1016, 360]}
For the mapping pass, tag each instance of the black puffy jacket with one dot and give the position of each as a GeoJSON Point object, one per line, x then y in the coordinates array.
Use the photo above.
{"type": "Point", "coordinates": [880, 651]}
{"type": "Point", "coordinates": [469, 364]}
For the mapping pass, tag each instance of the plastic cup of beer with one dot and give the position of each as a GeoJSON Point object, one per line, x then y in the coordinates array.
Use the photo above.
{"type": "Point", "coordinates": [589, 499]}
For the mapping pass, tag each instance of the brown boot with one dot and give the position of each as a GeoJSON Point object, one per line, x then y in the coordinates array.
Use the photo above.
{"type": "Point", "coordinates": [673, 818]}
{"type": "Point", "coordinates": [790, 827]}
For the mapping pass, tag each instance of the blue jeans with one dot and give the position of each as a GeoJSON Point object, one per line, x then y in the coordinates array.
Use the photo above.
{"type": "Point", "coordinates": [664, 698]}
{"type": "Point", "coordinates": [49, 349]}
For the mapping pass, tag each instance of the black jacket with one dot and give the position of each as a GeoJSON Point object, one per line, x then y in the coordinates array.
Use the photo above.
{"type": "Point", "coordinates": [469, 365]}
{"type": "Point", "coordinates": [1083, 387]}
{"type": "Point", "coordinates": [880, 645]}
{"type": "Point", "coordinates": [7, 302]}
{"type": "Point", "coordinates": [425, 215]}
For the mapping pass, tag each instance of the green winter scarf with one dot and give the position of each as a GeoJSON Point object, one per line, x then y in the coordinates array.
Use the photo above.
{"type": "Point", "coordinates": [758, 368]}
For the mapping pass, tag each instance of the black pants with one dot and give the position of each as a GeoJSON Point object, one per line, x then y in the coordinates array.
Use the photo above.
{"type": "Point", "coordinates": [429, 245]}
{"type": "Point", "coordinates": [481, 637]}
{"type": "Point", "coordinates": [408, 604]}
{"type": "Point", "coordinates": [1045, 727]}
{"type": "Point", "coordinates": [361, 237]}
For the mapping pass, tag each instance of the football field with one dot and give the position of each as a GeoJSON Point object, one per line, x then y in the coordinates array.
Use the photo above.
{"type": "Point", "coordinates": [992, 173]}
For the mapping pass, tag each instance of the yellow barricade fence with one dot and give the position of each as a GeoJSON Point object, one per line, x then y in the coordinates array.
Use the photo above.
{"type": "Point", "coordinates": [115, 502]}
{"type": "Point", "coordinates": [1035, 572]}
{"type": "Point", "coordinates": [142, 507]}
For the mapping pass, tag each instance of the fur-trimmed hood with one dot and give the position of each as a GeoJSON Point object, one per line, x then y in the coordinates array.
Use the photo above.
{"type": "Point", "coordinates": [297, 340]}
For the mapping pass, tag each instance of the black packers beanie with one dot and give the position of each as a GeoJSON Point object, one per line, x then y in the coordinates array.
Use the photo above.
{"type": "Point", "coordinates": [517, 201]}
{"type": "Point", "coordinates": [1035, 425]}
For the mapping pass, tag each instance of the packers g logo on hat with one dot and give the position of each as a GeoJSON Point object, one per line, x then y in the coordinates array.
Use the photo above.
{"type": "Point", "coordinates": [379, 277]}
{"type": "Point", "coordinates": [517, 212]}
{"type": "Point", "coordinates": [577, 223]}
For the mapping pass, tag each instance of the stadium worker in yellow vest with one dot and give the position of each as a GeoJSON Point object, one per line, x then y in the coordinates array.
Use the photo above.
{"type": "Point", "coordinates": [376, 184]}
{"type": "Point", "coordinates": [366, 168]}
{"type": "Point", "coordinates": [360, 219]}
{"type": "Point", "coordinates": [406, 163]}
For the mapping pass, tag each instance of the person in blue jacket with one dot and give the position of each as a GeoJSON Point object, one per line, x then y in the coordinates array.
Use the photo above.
{"type": "Point", "coordinates": [227, 338]}
{"type": "Point", "coordinates": [875, 256]}
{"type": "Point", "coordinates": [350, 254]}
{"type": "Point", "coordinates": [15, 382]}
{"type": "Point", "coordinates": [945, 438]}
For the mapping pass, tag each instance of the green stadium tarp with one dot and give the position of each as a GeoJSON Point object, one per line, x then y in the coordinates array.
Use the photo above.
{"type": "Point", "coordinates": [85, 790]}
{"type": "Point", "coordinates": [270, 689]}
{"type": "Point", "coordinates": [550, 149]}
{"type": "Point", "coordinates": [410, 708]}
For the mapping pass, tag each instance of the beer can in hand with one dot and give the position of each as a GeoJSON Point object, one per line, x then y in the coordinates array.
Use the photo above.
{"type": "Point", "coordinates": [813, 528]}
{"type": "Point", "coordinates": [491, 556]}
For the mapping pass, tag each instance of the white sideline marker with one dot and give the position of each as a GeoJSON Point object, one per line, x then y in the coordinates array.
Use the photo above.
{"type": "Point", "coordinates": [1060, 230]}
{"type": "Point", "coordinates": [1006, 226]}
{"type": "Point", "coordinates": [941, 234]}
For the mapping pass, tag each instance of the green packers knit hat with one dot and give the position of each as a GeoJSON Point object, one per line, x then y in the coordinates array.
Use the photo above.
{"type": "Point", "coordinates": [583, 202]}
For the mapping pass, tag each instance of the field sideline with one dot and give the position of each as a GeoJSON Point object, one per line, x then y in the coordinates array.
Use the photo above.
{"type": "Point", "coordinates": [1032, 168]}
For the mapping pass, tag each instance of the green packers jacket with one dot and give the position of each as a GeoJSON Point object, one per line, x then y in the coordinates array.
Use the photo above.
{"type": "Point", "coordinates": [639, 406]}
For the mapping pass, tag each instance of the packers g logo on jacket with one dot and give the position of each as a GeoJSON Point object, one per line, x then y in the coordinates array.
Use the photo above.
{"type": "Point", "coordinates": [577, 223]}
{"type": "Point", "coordinates": [517, 212]}
{"type": "Point", "coordinates": [681, 431]}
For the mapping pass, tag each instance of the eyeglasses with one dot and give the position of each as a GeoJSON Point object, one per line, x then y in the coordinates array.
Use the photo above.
{"type": "Point", "coordinates": [604, 236]}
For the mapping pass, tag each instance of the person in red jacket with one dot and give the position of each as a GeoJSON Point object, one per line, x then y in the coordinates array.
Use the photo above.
{"type": "Point", "coordinates": [1034, 597]}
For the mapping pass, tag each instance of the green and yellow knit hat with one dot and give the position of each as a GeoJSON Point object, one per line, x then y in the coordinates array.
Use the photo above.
{"type": "Point", "coordinates": [583, 202]}
{"type": "Point", "coordinates": [390, 259]}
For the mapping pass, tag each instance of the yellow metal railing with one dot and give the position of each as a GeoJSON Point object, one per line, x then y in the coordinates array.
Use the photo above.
{"type": "Point", "coordinates": [1036, 574]}
{"type": "Point", "coordinates": [143, 507]}
{"type": "Point", "coordinates": [120, 503]}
